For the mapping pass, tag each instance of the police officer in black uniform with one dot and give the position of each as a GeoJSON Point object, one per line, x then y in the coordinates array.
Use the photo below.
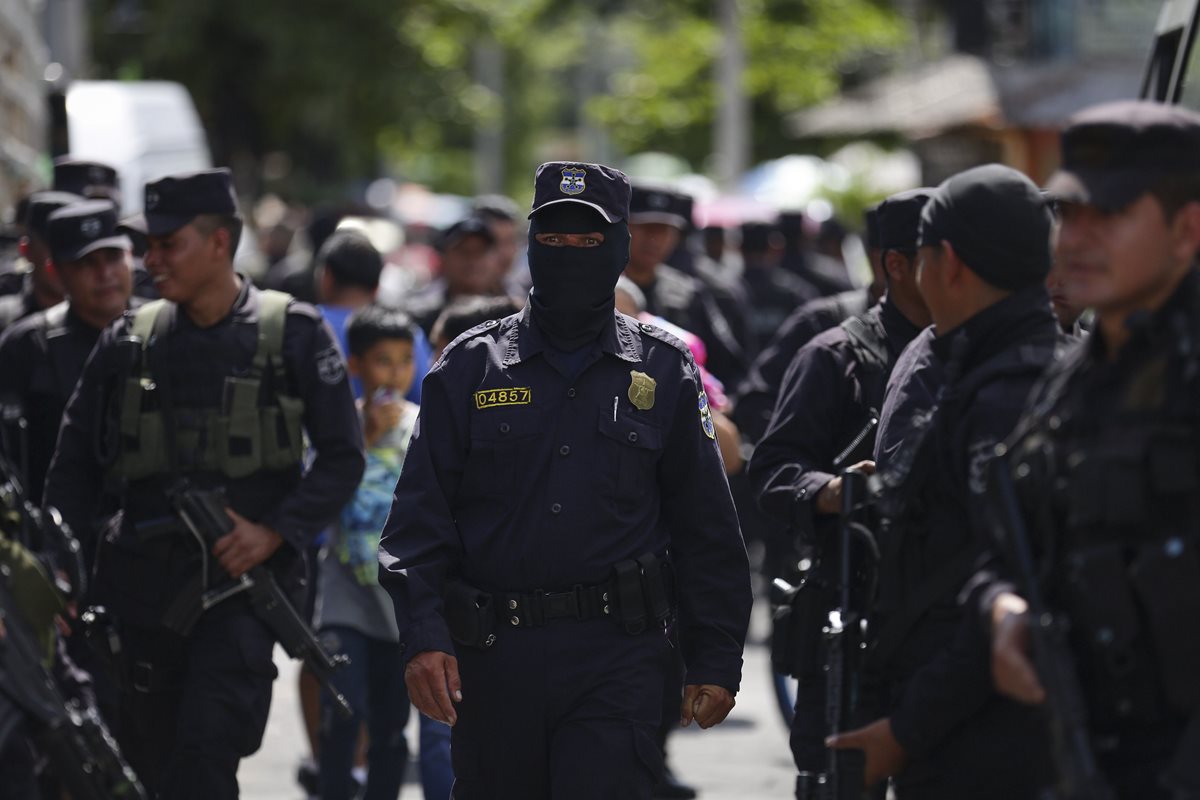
{"type": "Point", "coordinates": [561, 501]}
{"type": "Point", "coordinates": [825, 420]}
{"type": "Point", "coordinates": [42, 356]}
{"type": "Point", "coordinates": [984, 256]}
{"type": "Point", "coordinates": [37, 288]}
{"type": "Point", "coordinates": [1104, 461]}
{"type": "Point", "coordinates": [217, 385]}
{"type": "Point", "coordinates": [655, 224]}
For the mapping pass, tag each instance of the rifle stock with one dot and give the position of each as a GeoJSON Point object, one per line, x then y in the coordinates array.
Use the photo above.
{"type": "Point", "coordinates": [203, 513]}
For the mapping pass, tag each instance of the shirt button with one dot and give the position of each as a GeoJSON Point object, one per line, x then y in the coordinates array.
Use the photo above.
{"type": "Point", "coordinates": [556, 509]}
{"type": "Point", "coordinates": [504, 427]}
{"type": "Point", "coordinates": [633, 436]}
{"type": "Point", "coordinates": [570, 392]}
{"type": "Point", "coordinates": [564, 450]}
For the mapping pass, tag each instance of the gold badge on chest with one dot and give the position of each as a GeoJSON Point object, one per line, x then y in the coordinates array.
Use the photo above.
{"type": "Point", "coordinates": [641, 390]}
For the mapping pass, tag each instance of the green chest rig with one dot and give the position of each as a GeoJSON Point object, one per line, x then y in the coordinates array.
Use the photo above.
{"type": "Point", "coordinates": [253, 430]}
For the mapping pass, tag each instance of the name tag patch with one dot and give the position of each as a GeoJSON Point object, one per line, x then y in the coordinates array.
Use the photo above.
{"type": "Point", "coordinates": [492, 398]}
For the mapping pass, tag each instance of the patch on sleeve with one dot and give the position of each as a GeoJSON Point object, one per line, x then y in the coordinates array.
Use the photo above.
{"type": "Point", "coordinates": [979, 454]}
{"type": "Point", "coordinates": [331, 368]}
{"type": "Point", "coordinates": [706, 420]}
{"type": "Point", "coordinates": [493, 398]}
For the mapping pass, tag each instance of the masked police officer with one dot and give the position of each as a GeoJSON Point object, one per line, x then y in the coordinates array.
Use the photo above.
{"type": "Point", "coordinates": [825, 420]}
{"type": "Point", "coordinates": [1105, 459]}
{"type": "Point", "coordinates": [214, 387]}
{"type": "Point", "coordinates": [562, 499]}
{"type": "Point", "coordinates": [42, 356]}
{"type": "Point", "coordinates": [984, 256]}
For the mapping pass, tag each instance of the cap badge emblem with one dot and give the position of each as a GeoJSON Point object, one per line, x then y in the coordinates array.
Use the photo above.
{"type": "Point", "coordinates": [573, 180]}
{"type": "Point", "coordinates": [96, 175]}
{"type": "Point", "coordinates": [151, 199]}
{"type": "Point", "coordinates": [90, 228]}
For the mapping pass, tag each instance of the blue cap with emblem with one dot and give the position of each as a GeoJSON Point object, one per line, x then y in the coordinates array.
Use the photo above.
{"type": "Point", "coordinates": [174, 201]}
{"type": "Point", "coordinates": [81, 228]}
{"type": "Point", "coordinates": [602, 188]}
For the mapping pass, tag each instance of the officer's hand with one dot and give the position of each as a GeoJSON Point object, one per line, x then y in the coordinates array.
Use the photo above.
{"type": "Point", "coordinates": [829, 499]}
{"type": "Point", "coordinates": [432, 679]}
{"type": "Point", "coordinates": [885, 755]}
{"type": "Point", "coordinates": [707, 704]}
{"type": "Point", "coordinates": [378, 419]}
{"type": "Point", "coordinates": [1012, 671]}
{"type": "Point", "coordinates": [246, 546]}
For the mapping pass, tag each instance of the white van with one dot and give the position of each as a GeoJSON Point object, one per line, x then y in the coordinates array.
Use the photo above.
{"type": "Point", "coordinates": [145, 129]}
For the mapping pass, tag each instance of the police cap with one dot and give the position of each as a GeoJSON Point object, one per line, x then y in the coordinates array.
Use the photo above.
{"type": "Point", "coordinates": [650, 203]}
{"type": "Point", "coordinates": [87, 178]}
{"type": "Point", "coordinates": [898, 217]}
{"type": "Point", "coordinates": [1115, 152]}
{"type": "Point", "coordinates": [41, 205]}
{"type": "Point", "coordinates": [871, 221]}
{"type": "Point", "coordinates": [998, 223]}
{"type": "Point", "coordinates": [176, 200]}
{"type": "Point", "coordinates": [465, 229]}
{"type": "Point", "coordinates": [602, 188]}
{"type": "Point", "coordinates": [78, 229]}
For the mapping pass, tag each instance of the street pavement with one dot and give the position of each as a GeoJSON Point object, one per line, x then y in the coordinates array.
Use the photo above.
{"type": "Point", "coordinates": [746, 758]}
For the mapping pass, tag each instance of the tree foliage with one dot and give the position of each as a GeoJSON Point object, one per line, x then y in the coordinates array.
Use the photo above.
{"type": "Point", "coordinates": [351, 89]}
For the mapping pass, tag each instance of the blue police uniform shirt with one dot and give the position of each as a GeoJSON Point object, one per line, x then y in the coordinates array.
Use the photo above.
{"type": "Point", "coordinates": [527, 471]}
{"type": "Point", "coordinates": [338, 318]}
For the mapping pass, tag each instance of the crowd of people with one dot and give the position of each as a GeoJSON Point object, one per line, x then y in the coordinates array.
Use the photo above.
{"type": "Point", "coordinates": [463, 485]}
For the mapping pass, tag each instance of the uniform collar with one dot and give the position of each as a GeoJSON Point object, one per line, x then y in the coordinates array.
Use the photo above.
{"type": "Point", "coordinates": [1152, 328]}
{"type": "Point", "coordinates": [524, 339]}
{"type": "Point", "coordinates": [996, 327]}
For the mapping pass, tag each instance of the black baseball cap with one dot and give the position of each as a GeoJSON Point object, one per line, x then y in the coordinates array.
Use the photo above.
{"type": "Point", "coordinates": [465, 229]}
{"type": "Point", "coordinates": [898, 218]}
{"type": "Point", "coordinates": [1115, 152]}
{"type": "Point", "coordinates": [174, 201]}
{"type": "Point", "coordinates": [78, 229]}
{"type": "Point", "coordinates": [594, 185]}
{"type": "Point", "coordinates": [41, 205]}
{"type": "Point", "coordinates": [757, 235]}
{"type": "Point", "coordinates": [661, 204]}
{"type": "Point", "coordinates": [85, 178]}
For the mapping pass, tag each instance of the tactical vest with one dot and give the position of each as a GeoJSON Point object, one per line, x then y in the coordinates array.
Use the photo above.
{"type": "Point", "coordinates": [257, 428]}
{"type": "Point", "coordinates": [1116, 503]}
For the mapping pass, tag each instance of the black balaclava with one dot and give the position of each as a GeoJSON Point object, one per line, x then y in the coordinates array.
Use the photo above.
{"type": "Point", "coordinates": [572, 298]}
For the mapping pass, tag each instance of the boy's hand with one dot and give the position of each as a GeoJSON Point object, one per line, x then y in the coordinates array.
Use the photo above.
{"type": "Point", "coordinates": [379, 418]}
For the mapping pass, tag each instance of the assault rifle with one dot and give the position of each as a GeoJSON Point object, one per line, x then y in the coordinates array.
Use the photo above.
{"type": "Point", "coordinates": [203, 514]}
{"type": "Point", "coordinates": [1079, 778]}
{"type": "Point", "coordinates": [68, 733]}
{"type": "Point", "coordinates": [845, 647]}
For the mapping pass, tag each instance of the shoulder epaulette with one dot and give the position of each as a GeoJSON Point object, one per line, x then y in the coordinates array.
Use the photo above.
{"type": "Point", "coordinates": [471, 333]}
{"type": "Point", "coordinates": [665, 336]}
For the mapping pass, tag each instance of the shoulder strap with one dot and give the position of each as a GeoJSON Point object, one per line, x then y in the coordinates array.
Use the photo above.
{"type": "Point", "coordinates": [54, 320]}
{"type": "Point", "coordinates": [143, 321]}
{"type": "Point", "coordinates": [272, 318]}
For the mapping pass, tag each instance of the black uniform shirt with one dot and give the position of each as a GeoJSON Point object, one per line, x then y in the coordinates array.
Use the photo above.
{"type": "Point", "coordinates": [824, 404]}
{"type": "Point", "coordinates": [297, 506]}
{"type": "Point", "coordinates": [41, 359]}
{"type": "Point", "coordinates": [755, 397]}
{"type": "Point", "coordinates": [520, 477]}
{"type": "Point", "coordinates": [774, 294]}
{"type": "Point", "coordinates": [18, 306]}
{"type": "Point", "coordinates": [684, 301]}
{"type": "Point", "coordinates": [934, 496]}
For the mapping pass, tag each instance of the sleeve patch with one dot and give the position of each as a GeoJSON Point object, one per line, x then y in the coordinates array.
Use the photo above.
{"type": "Point", "coordinates": [331, 368]}
{"type": "Point", "coordinates": [706, 420]}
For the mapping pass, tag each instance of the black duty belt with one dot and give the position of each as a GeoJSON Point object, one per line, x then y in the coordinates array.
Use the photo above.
{"type": "Point", "coordinates": [535, 609]}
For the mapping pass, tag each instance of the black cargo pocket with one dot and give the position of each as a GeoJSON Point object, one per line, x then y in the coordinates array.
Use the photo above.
{"type": "Point", "coordinates": [1166, 578]}
{"type": "Point", "coordinates": [630, 457]}
{"type": "Point", "coordinates": [499, 441]}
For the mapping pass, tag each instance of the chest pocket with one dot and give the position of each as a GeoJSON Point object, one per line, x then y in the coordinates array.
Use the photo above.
{"type": "Point", "coordinates": [500, 450]}
{"type": "Point", "coordinates": [632, 448]}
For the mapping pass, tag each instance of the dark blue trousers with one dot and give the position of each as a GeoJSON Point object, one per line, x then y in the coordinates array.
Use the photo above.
{"type": "Point", "coordinates": [564, 712]}
{"type": "Point", "coordinates": [373, 683]}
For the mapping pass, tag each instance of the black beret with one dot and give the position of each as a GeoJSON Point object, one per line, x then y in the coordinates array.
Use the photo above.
{"type": "Point", "coordinates": [602, 188]}
{"type": "Point", "coordinates": [998, 223]}
{"type": "Point", "coordinates": [898, 217]}
{"type": "Point", "coordinates": [174, 201]}
{"type": "Point", "coordinates": [78, 229]}
{"type": "Point", "coordinates": [1113, 153]}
